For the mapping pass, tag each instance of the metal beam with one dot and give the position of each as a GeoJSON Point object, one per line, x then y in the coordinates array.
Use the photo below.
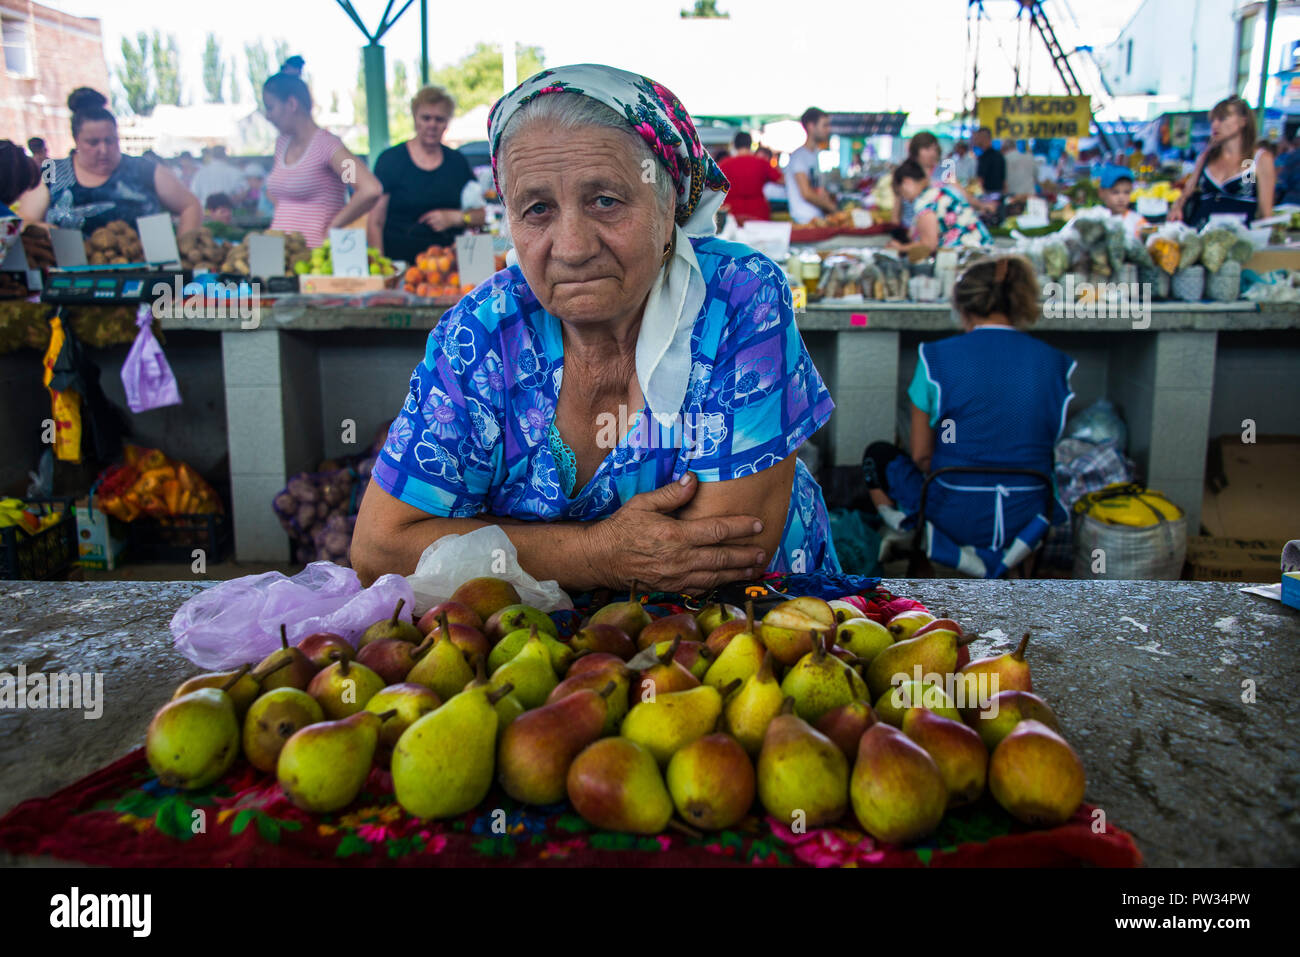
{"type": "Point", "coordinates": [1263, 70]}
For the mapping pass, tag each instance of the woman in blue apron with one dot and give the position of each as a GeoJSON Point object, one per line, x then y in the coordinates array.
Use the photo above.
{"type": "Point", "coordinates": [1232, 175]}
{"type": "Point", "coordinates": [991, 397]}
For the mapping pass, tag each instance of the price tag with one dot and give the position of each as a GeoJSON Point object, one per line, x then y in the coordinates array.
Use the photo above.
{"type": "Point", "coordinates": [265, 256]}
{"type": "Point", "coordinates": [69, 247]}
{"type": "Point", "coordinates": [158, 238]}
{"type": "Point", "coordinates": [858, 319]}
{"type": "Point", "coordinates": [475, 258]}
{"type": "Point", "coordinates": [798, 298]}
{"type": "Point", "coordinates": [348, 252]}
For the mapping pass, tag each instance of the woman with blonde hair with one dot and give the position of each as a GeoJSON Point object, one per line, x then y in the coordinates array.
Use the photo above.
{"type": "Point", "coordinates": [424, 185]}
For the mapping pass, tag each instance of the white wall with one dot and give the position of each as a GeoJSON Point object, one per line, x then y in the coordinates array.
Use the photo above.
{"type": "Point", "coordinates": [1182, 49]}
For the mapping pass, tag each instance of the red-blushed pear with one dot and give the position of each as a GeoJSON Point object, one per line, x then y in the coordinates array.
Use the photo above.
{"type": "Point", "coordinates": [963, 656]}
{"type": "Point", "coordinates": [596, 661]}
{"type": "Point", "coordinates": [318, 648]}
{"type": "Point", "coordinates": [628, 616]}
{"type": "Point", "coordinates": [1006, 709]}
{"type": "Point", "coordinates": [457, 613]}
{"type": "Point", "coordinates": [905, 623]}
{"type": "Point", "coordinates": [691, 655]}
{"type": "Point", "coordinates": [1011, 670]}
{"type": "Point", "coordinates": [1036, 776]}
{"type": "Point", "coordinates": [486, 596]}
{"type": "Point", "coordinates": [604, 638]}
{"type": "Point", "coordinates": [595, 679]}
{"type": "Point", "coordinates": [711, 616]}
{"type": "Point", "coordinates": [665, 677]}
{"type": "Point", "coordinates": [517, 618]}
{"type": "Point", "coordinates": [721, 636]}
{"type": "Point", "coordinates": [788, 629]}
{"type": "Point", "coordinates": [667, 628]}
{"type": "Point", "coordinates": [939, 624]}
{"type": "Point", "coordinates": [297, 671]}
{"type": "Point", "coordinates": [711, 781]}
{"type": "Point", "coordinates": [391, 658]}
{"type": "Point", "coordinates": [845, 725]}
{"type": "Point", "coordinates": [469, 640]}
{"type": "Point", "coordinates": [398, 626]}
{"type": "Point", "coordinates": [803, 778]}
{"type": "Point", "coordinates": [615, 784]}
{"type": "Point", "coordinates": [957, 750]}
{"type": "Point", "coordinates": [405, 703]}
{"type": "Point", "coordinates": [537, 748]}
{"type": "Point", "coordinates": [935, 654]}
{"type": "Point", "coordinates": [898, 791]}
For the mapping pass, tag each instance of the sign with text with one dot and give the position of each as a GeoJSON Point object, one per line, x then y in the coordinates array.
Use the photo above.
{"type": "Point", "coordinates": [867, 124]}
{"type": "Point", "coordinates": [69, 247]}
{"type": "Point", "coordinates": [475, 258]}
{"type": "Point", "coordinates": [265, 255]}
{"type": "Point", "coordinates": [158, 238]}
{"type": "Point", "coordinates": [348, 252]}
{"type": "Point", "coordinates": [1035, 117]}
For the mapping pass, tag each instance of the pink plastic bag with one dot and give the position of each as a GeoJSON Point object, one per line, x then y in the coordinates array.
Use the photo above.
{"type": "Point", "coordinates": [146, 376]}
{"type": "Point", "coordinates": [238, 621]}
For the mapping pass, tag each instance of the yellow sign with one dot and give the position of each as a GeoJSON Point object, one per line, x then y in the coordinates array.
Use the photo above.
{"type": "Point", "coordinates": [1035, 117]}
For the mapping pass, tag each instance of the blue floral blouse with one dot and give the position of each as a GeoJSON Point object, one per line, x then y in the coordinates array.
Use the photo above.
{"type": "Point", "coordinates": [474, 434]}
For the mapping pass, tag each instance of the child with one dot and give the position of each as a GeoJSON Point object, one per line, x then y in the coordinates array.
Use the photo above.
{"type": "Point", "coordinates": [1115, 192]}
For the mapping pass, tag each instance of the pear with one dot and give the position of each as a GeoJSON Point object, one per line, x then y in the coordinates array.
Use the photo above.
{"type": "Point", "coordinates": [672, 721]}
{"type": "Point", "coordinates": [317, 648]}
{"type": "Point", "coordinates": [507, 708]}
{"type": "Point", "coordinates": [665, 677]}
{"type": "Point", "coordinates": [982, 679]}
{"type": "Point", "coordinates": [615, 784]}
{"type": "Point", "coordinates": [391, 658]}
{"type": "Point", "coordinates": [938, 624]}
{"type": "Point", "coordinates": [891, 706]}
{"type": "Point", "coordinates": [395, 627]}
{"type": "Point", "coordinates": [691, 655]}
{"type": "Point", "coordinates": [935, 653]}
{"type": "Point", "coordinates": [906, 623]}
{"type": "Point", "coordinates": [711, 616]}
{"type": "Point", "coordinates": [509, 646]}
{"type": "Point", "coordinates": [898, 791]}
{"type": "Point", "coordinates": [537, 747]}
{"type": "Point", "coordinates": [721, 636]}
{"type": "Point", "coordinates": [789, 628]}
{"type": "Point", "coordinates": [607, 639]}
{"type": "Point", "coordinates": [518, 618]}
{"type": "Point", "coordinates": [957, 750]}
{"type": "Point", "coordinates": [681, 626]}
{"type": "Point", "coordinates": [711, 781]}
{"type": "Point", "coordinates": [406, 704]}
{"type": "Point", "coordinates": [239, 685]}
{"type": "Point", "coordinates": [194, 739]}
{"type": "Point", "coordinates": [272, 720]}
{"type": "Point", "coordinates": [596, 661]}
{"type": "Point", "coordinates": [343, 688]}
{"type": "Point", "coordinates": [323, 767]}
{"type": "Point", "coordinates": [486, 596]}
{"type": "Point", "coordinates": [457, 614]}
{"type": "Point", "coordinates": [1036, 776]}
{"type": "Point", "coordinates": [616, 703]}
{"type": "Point", "coordinates": [628, 616]}
{"type": "Point", "coordinates": [802, 776]}
{"type": "Point", "coordinates": [444, 668]}
{"type": "Point", "coordinates": [443, 763]}
{"type": "Point", "coordinates": [819, 682]}
{"type": "Point", "coordinates": [749, 711]}
{"type": "Point", "coordinates": [297, 671]}
{"type": "Point", "coordinates": [845, 724]}
{"type": "Point", "coordinates": [1005, 710]}
{"type": "Point", "coordinates": [739, 658]}
{"type": "Point", "coordinates": [845, 611]}
{"type": "Point", "coordinates": [469, 640]}
{"type": "Point", "coordinates": [863, 638]}
{"type": "Point", "coordinates": [530, 672]}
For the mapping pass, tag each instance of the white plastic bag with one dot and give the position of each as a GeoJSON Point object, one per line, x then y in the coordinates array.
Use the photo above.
{"type": "Point", "coordinates": [454, 559]}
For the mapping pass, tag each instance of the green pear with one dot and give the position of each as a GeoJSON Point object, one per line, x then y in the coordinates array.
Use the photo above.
{"type": "Point", "coordinates": [985, 677]}
{"type": "Point", "coordinates": [819, 682]}
{"type": "Point", "coordinates": [509, 646]}
{"type": "Point", "coordinates": [1036, 776]}
{"type": "Point", "coordinates": [240, 685]}
{"type": "Point", "coordinates": [788, 629]}
{"type": "Point", "coordinates": [628, 616]}
{"type": "Point", "coordinates": [691, 655]}
{"type": "Point", "coordinates": [803, 778]}
{"type": "Point", "coordinates": [343, 688]}
{"type": "Point", "coordinates": [1005, 710]}
{"type": "Point", "coordinates": [296, 671]}
{"type": "Point", "coordinates": [864, 638]}
{"type": "Point", "coordinates": [272, 720]}
{"type": "Point", "coordinates": [443, 764]}
{"type": "Point", "coordinates": [957, 750]}
{"type": "Point", "coordinates": [934, 653]}
{"type": "Point", "coordinates": [518, 618]}
{"type": "Point", "coordinates": [749, 711]}
{"type": "Point", "coordinates": [615, 784]}
{"type": "Point", "coordinates": [405, 703]}
{"type": "Point", "coordinates": [711, 616]}
{"type": "Point", "coordinates": [669, 722]}
{"type": "Point", "coordinates": [711, 781]}
{"type": "Point", "coordinates": [397, 626]}
{"type": "Point", "coordinates": [537, 748]}
{"type": "Point", "coordinates": [530, 672]}
{"type": "Point", "coordinates": [845, 611]}
{"type": "Point", "coordinates": [193, 739]}
{"type": "Point", "coordinates": [323, 767]}
{"type": "Point", "coordinates": [444, 668]}
{"type": "Point", "coordinates": [741, 658]}
{"type": "Point", "coordinates": [891, 705]}
{"type": "Point", "coordinates": [906, 623]}
{"type": "Point", "coordinates": [898, 791]}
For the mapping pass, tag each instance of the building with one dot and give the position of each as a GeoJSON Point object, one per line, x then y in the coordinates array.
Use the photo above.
{"type": "Point", "coordinates": [47, 55]}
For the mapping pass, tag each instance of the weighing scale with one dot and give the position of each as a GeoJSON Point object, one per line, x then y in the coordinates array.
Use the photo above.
{"type": "Point", "coordinates": [116, 283]}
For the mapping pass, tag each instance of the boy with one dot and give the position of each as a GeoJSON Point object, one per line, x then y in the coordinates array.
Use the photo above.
{"type": "Point", "coordinates": [1116, 192]}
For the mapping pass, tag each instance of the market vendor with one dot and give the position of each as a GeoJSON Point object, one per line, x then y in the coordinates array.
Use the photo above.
{"type": "Point", "coordinates": [531, 409]}
{"type": "Point", "coordinates": [1233, 175]}
{"type": "Point", "coordinates": [424, 202]}
{"type": "Point", "coordinates": [97, 184]}
{"type": "Point", "coordinates": [941, 215]}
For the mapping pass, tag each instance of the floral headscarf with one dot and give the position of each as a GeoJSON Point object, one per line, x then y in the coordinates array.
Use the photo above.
{"type": "Point", "coordinates": [663, 349]}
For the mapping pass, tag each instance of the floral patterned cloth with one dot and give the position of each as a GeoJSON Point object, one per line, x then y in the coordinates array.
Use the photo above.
{"type": "Point", "coordinates": [959, 224]}
{"type": "Point", "coordinates": [473, 435]}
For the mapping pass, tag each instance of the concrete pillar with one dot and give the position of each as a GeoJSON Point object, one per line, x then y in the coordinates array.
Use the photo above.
{"type": "Point", "coordinates": [865, 385]}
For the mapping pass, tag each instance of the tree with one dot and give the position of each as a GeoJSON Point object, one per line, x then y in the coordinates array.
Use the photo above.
{"type": "Point", "coordinates": [281, 52]}
{"type": "Point", "coordinates": [477, 79]}
{"type": "Point", "coordinates": [214, 70]}
{"type": "Point", "coordinates": [166, 69]}
{"type": "Point", "coordinates": [259, 67]}
{"type": "Point", "coordinates": [401, 125]}
{"type": "Point", "coordinates": [133, 75]}
{"type": "Point", "coordinates": [705, 10]}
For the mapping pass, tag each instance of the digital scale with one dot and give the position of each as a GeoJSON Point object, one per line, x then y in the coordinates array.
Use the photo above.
{"type": "Point", "coordinates": [123, 283]}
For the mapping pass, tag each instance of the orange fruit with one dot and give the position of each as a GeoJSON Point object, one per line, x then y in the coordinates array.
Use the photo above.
{"type": "Point", "coordinates": [413, 275]}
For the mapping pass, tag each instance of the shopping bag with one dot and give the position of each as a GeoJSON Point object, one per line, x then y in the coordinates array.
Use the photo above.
{"type": "Point", "coordinates": [146, 376]}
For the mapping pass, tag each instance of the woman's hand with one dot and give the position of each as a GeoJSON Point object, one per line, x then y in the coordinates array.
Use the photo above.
{"type": "Point", "coordinates": [441, 219]}
{"type": "Point", "coordinates": [642, 542]}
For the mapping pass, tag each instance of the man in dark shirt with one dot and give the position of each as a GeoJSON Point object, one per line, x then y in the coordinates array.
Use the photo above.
{"type": "Point", "coordinates": [991, 167]}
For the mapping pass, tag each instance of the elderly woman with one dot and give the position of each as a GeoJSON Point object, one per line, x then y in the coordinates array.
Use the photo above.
{"type": "Point", "coordinates": [627, 401]}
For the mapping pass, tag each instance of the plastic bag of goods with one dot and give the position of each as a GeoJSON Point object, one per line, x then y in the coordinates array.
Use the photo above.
{"type": "Point", "coordinates": [1165, 252]}
{"type": "Point", "coordinates": [1225, 285]}
{"type": "Point", "coordinates": [1099, 422]}
{"type": "Point", "coordinates": [1056, 258]}
{"type": "Point", "coordinates": [1114, 242]}
{"type": "Point", "coordinates": [485, 552]}
{"type": "Point", "coordinates": [1137, 253]}
{"type": "Point", "coordinates": [1188, 285]}
{"type": "Point", "coordinates": [1136, 532]}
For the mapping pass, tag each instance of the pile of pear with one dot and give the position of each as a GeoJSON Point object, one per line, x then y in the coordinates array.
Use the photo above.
{"type": "Point", "coordinates": [686, 721]}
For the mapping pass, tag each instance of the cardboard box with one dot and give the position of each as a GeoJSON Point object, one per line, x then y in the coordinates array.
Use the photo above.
{"type": "Point", "coordinates": [1256, 489]}
{"type": "Point", "coordinates": [346, 285]}
{"type": "Point", "coordinates": [1274, 257]}
{"type": "Point", "coordinates": [1211, 559]}
{"type": "Point", "coordinates": [101, 539]}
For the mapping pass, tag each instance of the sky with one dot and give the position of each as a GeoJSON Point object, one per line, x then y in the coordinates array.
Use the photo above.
{"type": "Point", "coordinates": [772, 56]}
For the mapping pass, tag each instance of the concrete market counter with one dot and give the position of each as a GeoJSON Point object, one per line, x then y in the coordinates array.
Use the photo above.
{"type": "Point", "coordinates": [1148, 679]}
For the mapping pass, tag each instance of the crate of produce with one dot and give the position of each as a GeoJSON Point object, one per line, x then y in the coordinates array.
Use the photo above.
{"type": "Point", "coordinates": [173, 539]}
{"type": "Point", "coordinates": [42, 555]}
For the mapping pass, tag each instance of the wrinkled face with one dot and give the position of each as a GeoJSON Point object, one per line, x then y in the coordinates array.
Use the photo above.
{"type": "Point", "coordinates": [97, 146]}
{"type": "Point", "coordinates": [1116, 199]}
{"type": "Point", "coordinates": [588, 230]}
{"type": "Point", "coordinates": [909, 189]}
{"type": "Point", "coordinates": [431, 122]}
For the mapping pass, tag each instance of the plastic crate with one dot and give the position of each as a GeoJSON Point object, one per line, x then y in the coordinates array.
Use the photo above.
{"type": "Point", "coordinates": [174, 539]}
{"type": "Point", "coordinates": [46, 555]}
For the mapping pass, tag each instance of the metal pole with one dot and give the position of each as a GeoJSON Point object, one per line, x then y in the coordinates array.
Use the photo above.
{"type": "Point", "coordinates": [424, 42]}
{"type": "Point", "coordinates": [1263, 70]}
{"type": "Point", "coordinates": [376, 99]}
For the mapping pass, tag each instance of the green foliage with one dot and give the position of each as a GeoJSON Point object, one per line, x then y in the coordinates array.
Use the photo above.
{"type": "Point", "coordinates": [401, 125]}
{"type": "Point", "coordinates": [234, 83]}
{"type": "Point", "coordinates": [214, 70]}
{"type": "Point", "coordinates": [166, 68]}
{"type": "Point", "coordinates": [133, 75]}
{"type": "Point", "coordinates": [705, 10]}
{"type": "Point", "coordinates": [259, 68]}
{"type": "Point", "coordinates": [477, 79]}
